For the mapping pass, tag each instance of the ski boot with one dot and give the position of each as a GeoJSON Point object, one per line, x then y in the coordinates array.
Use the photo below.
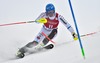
{"type": "Point", "coordinates": [20, 54]}
{"type": "Point", "coordinates": [50, 46]}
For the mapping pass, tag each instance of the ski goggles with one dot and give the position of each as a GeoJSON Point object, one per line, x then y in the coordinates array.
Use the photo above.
{"type": "Point", "coordinates": [50, 12]}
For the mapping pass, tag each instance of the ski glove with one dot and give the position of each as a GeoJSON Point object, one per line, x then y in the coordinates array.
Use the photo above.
{"type": "Point", "coordinates": [41, 20]}
{"type": "Point", "coordinates": [74, 36]}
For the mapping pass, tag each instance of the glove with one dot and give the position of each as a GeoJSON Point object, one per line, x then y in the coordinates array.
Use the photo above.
{"type": "Point", "coordinates": [74, 36]}
{"type": "Point", "coordinates": [42, 20]}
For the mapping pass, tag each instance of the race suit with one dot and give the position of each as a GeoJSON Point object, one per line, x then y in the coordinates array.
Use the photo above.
{"type": "Point", "coordinates": [50, 28]}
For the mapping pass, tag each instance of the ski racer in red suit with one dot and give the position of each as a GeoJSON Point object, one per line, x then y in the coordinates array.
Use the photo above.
{"type": "Point", "coordinates": [49, 28]}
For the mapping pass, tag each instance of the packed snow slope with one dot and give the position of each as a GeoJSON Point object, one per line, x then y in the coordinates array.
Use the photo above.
{"type": "Point", "coordinates": [64, 52]}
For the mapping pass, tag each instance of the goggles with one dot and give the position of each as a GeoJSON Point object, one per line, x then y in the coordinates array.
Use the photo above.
{"type": "Point", "coordinates": [50, 12]}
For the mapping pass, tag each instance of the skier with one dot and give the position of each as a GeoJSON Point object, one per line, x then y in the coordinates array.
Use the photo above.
{"type": "Point", "coordinates": [49, 28]}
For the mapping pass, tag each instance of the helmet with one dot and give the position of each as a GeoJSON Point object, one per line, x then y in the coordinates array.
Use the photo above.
{"type": "Point", "coordinates": [50, 7]}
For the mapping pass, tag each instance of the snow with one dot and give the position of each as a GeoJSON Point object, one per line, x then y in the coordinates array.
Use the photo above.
{"type": "Point", "coordinates": [65, 51]}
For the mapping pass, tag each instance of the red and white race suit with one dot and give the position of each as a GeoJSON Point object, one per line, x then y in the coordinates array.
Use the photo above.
{"type": "Point", "coordinates": [52, 23]}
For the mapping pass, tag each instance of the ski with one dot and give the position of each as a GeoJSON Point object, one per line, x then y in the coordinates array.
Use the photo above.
{"type": "Point", "coordinates": [37, 50]}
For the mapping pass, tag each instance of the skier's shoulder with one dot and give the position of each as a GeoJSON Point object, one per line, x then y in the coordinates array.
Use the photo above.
{"type": "Point", "coordinates": [61, 19]}
{"type": "Point", "coordinates": [43, 14]}
{"type": "Point", "coordinates": [59, 15]}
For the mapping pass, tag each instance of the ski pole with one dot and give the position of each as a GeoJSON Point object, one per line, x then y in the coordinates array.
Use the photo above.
{"type": "Point", "coordinates": [16, 23]}
{"type": "Point", "coordinates": [41, 20]}
{"type": "Point", "coordinates": [47, 37]}
{"type": "Point", "coordinates": [80, 42]}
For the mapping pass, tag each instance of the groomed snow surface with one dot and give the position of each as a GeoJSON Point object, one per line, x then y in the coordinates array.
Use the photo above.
{"type": "Point", "coordinates": [64, 52]}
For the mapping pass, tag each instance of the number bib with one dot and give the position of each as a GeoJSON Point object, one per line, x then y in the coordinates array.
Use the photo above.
{"type": "Point", "coordinates": [52, 23]}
